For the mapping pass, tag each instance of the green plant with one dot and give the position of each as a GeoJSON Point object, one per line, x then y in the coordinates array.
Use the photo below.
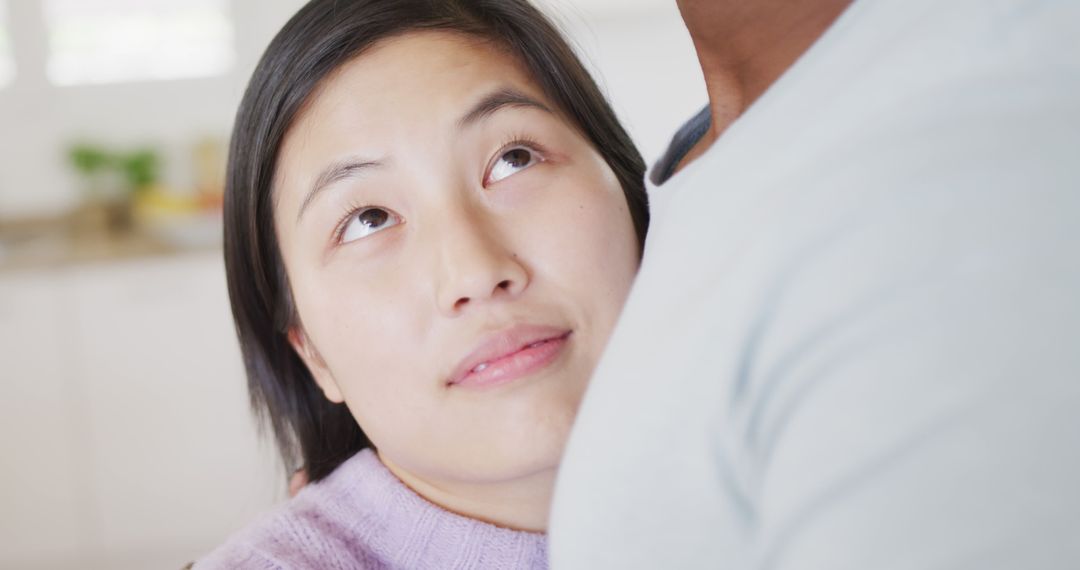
{"type": "Point", "coordinates": [139, 169]}
{"type": "Point", "coordinates": [88, 159]}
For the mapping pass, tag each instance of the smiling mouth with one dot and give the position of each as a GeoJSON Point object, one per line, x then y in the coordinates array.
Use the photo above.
{"type": "Point", "coordinates": [509, 362]}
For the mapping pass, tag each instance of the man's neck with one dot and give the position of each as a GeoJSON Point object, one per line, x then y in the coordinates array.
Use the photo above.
{"type": "Point", "coordinates": [744, 47]}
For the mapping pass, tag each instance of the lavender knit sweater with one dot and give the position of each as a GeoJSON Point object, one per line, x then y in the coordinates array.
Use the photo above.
{"type": "Point", "coordinates": [362, 516]}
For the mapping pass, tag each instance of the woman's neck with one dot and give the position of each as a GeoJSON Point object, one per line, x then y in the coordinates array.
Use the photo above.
{"type": "Point", "coordinates": [520, 504]}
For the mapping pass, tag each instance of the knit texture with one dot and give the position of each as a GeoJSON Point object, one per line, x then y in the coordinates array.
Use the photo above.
{"type": "Point", "coordinates": [362, 516]}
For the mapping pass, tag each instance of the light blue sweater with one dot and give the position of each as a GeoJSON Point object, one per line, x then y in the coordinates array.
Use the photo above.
{"type": "Point", "coordinates": [854, 341]}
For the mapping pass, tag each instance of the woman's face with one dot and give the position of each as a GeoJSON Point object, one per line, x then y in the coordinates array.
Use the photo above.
{"type": "Point", "coordinates": [458, 255]}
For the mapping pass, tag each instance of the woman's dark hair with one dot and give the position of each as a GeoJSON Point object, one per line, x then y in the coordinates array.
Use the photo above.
{"type": "Point", "coordinates": [325, 34]}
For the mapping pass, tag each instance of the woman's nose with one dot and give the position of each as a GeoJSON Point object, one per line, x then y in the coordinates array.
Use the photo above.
{"type": "Point", "coordinates": [476, 268]}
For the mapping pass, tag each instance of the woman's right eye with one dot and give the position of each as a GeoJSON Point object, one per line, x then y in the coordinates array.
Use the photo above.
{"type": "Point", "coordinates": [367, 221]}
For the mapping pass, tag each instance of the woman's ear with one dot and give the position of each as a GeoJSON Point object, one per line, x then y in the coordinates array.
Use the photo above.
{"type": "Point", "coordinates": [315, 364]}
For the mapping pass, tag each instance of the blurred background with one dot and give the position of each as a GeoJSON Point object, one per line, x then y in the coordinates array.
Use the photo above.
{"type": "Point", "coordinates": [124, 429]}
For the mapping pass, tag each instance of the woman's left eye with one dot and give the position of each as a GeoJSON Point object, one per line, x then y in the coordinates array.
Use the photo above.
{"type": "Point", "coordinates": [367, 221]}
{"type": "Point", "coordinates": [511, 162]}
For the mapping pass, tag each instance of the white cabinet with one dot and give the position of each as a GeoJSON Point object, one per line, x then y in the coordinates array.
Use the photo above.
{"type": "Point", "coordinates": [158, 459]}
{"type": "Point", "coordinates": [44, 507]}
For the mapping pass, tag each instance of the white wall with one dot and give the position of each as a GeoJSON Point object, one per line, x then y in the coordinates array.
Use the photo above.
{"type": "Point", "coordinates": [640, 53]}
{"type": "Point", "coordinates": [638, 49]}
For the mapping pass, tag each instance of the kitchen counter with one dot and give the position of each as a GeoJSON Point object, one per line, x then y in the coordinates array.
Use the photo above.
{"type": "Point", "coordinates": [50, 243]}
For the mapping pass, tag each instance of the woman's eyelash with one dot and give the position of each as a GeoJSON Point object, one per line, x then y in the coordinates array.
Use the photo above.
{"type": "Point", "coordinates": [520, 140]}
{"type": "Point", "coordinates": [343, 224]}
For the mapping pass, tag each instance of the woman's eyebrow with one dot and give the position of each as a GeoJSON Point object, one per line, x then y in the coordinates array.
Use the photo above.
{"type": "Point", "coordinates": [335, 172]}
{"type": "Point", "coordinates": [499, 99]}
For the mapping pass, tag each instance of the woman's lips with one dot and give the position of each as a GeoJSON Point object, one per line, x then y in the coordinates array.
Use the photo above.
{"type": "Point", "coordinates": [510, 354]}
